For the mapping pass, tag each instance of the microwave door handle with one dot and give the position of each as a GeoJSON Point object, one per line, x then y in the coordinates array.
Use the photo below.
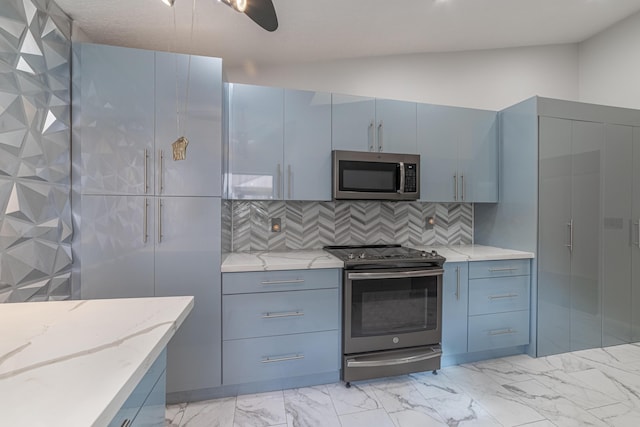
{"type": "Point", "coordinates": [401, 189]}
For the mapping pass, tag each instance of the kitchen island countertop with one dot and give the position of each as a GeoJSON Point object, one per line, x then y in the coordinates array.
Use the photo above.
{"type": "Point", "coordinates": [74, 363]}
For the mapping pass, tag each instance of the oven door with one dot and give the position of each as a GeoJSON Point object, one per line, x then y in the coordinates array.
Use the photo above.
{"type": "Point", "coordinates": [391, 308]}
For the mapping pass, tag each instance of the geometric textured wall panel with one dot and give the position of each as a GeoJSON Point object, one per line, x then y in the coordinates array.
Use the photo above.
{"type": "Point", "coordinates": [311, 225]}
{"type": "Point", "coordinates": [35, 141]}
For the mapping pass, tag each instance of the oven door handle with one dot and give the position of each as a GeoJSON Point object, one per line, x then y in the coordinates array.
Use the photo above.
{"type": "Point", "coordinates": [354, 363]}
{"type": "Point", "coordinates": [395, 274]}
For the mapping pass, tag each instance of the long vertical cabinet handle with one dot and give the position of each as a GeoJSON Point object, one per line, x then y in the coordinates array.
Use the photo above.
{"type": "Point", "coordinates": [146, 172]}
{"type": "Point", "coordinates": [637, 224]}
{"type": "Point", "coordinates": [159, 220]}
{"type": "Point", "coordinates": [457, 283]}
{"type": "Point", "coordinates": [570, 225]}
{"type": "Point", "coordinates": [289, 178]}
{"type": "Point", "coordinates": [279, 182]}
{"type": "Point", "coordinates": [380, 130]}
{"type": "Point", "coordinates": [145, 221]}
{"type": "Point", "coordinates": [161, 163]}
{"type": "Point", "coordinates": [370, 135]}
{"type": "Point", "coordinates": [462, 185]}
{"type": "Point", "coordinates": [455, 187]}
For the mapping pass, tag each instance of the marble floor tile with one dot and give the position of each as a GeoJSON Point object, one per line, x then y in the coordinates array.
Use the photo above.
{"type": "Point", "coordinates": [260, 410]}
{"type": "Point", "coordinates": [405, 404]}
{"type": "Point", "coordinates": [377, 418]}
{"type": "Point", "coordinates": [310, 407]}
{"type": "Point", "coordinates": [210, 413]}
{"type": "Point", "coordinates": [554, 407]}
{"type": "Point", "coordinates": [503, 371]}
{"type": "Point", "coordinates": [461, 410]}
{"type": "Point", "coordinates": [618, 415]}
{"type": "Point", "coordinates": [430, 385]}
{"type": "Point", "coordinates": [358, 398]}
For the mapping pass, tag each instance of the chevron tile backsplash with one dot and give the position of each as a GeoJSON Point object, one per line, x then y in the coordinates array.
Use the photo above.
{"type": "Point", "coordinates": [311, 225]}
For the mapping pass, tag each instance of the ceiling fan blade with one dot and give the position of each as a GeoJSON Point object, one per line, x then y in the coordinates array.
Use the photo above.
{"type": "Point", "coordinates": [262, 13]}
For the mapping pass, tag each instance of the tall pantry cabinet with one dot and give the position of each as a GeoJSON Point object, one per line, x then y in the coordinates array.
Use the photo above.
{"type": "Point", "coordinates": [147, 221]}
{"type": "Point", "coordinates": [570, 192]}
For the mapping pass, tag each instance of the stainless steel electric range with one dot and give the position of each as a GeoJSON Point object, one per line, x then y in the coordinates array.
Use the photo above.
{"type": "Point", "coordinates": [392, 310]}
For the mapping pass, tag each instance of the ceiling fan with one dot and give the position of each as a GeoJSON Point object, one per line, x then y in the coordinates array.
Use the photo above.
{"type": "Point", "coordinates": [261, 12]}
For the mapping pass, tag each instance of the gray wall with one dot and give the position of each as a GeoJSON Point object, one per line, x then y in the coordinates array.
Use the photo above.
{"type": "Point", "coordinates": [35, 211]}
{"type": "Point", "coordinates": [311, 225]}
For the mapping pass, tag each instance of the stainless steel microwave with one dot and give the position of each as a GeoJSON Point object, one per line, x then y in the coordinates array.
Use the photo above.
{"type": "Point", "coordinates": [375, 176]}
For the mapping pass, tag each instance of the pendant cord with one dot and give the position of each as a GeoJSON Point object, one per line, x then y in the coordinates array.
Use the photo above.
{"type": "Point", "coordinates": [175, 40]}
{"type": "Point", "coordinates": [186, 101]}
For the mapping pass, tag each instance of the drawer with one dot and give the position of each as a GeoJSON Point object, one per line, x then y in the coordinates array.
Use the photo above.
{"type": "Point", "coordinates": [503, 267]}
{"type": "Point", "coordinates": [489, 331]}
{"type": "Point", "coordinates": [497, 295]}
{"type": "Point", "coordinates": [286, 280]}
{"type": "Point", "coordinates": [260, 359]}
{"type": "Point", "coordinates": [279, 313]}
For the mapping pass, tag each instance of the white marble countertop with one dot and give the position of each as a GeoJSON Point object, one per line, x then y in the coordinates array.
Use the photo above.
{"type": "Point", "coordinates": [279, 260]}
{"type": "Point", "coordinates": [74, 363]}
{"type": "Point", "coordinates": [311, 259]}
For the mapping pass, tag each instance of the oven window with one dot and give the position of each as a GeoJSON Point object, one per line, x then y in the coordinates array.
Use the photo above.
{"type": "Point", "coordinates": [394, 306]}
{"type": "Point", "coordinates": [368, 176]}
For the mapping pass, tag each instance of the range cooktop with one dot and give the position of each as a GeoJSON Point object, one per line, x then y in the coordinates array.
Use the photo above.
{"type": "Point", "coordinates": [384, 256]}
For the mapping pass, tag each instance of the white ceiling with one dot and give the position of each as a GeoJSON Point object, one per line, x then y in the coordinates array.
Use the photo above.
{"type": "Point", "coordinates": [312, 30]}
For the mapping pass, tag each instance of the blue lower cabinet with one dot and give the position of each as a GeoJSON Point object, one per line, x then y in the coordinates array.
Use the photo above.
{"type": "Point", "coordinates": [455, 300]}
{"type": "Point", "coordinates": [146, 400]}
{"type": "Point", "coordinates": [279, 357]}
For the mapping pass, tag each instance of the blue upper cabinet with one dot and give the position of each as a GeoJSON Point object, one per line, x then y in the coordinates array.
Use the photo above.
{"type": "Point", "coordinates": [125, 103]}
{"type": "Point", "coordinates": [256, 138]}
{"type": "Point", "coordinates": [113, 118]}
{"type": "Point", "coordinates": [369, 124]}
{"type": "Point", "coordinates": [307, 145]}
{"type": "Point", "coordinates": [459, 154]}
{"type": "Point", "coordinates": [189, 104]}
{"type": "Point", "coordinates": [279, 144]}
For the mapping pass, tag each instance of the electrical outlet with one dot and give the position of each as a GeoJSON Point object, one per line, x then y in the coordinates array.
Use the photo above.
{"type": "Point", "coordinates": [276, 226]}
{"type": "Point", "coordinates": [430, 222]}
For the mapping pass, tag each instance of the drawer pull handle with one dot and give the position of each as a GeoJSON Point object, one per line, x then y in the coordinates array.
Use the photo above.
{"type": "Point", "coordinates": [492, 297]}
{"type": "Point", "coordinates": [282, 314]}
{"type": "Point", "coordinates": [270, 359]}
{"type": "Point", "coordinates": [503, 332]}
{"type": "Point", "coordinates": [281, 282]}
{"type": "Point", "coordinates": [504, 269]}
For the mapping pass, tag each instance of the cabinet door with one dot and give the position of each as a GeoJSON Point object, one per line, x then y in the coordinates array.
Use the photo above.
{"type": "Point", "coordinates": [353, 123]}
{"type": "Point", "coordinates": [587, 141]}
{"type": "Point", "coordinates": [635, 239]}
{"type": "Point", "coordinates": [396, 126]}
{"type": "Point", "coordinates": [478, 156]}
{"type": "Point", "coordinates": [187, 262]}
{"type": "Point", "coordinates": [192, 87]}
{"type": "Point", "coordinates": [438, 149]}
{"type": "Point", "coordinates": [117, 259]}
{"type": "Point", "coordinates": [554, 257]}
{"type": "Point", "coordinates": [255, 142]}
{"type": "Point", "coordinates": [307, 145]}
{"type": "Point", "coordinates": [616, 229]}
{"type": "Point", "coordinates": [113, 118]}
{"type": "Point", "coordinates": [454, 308]}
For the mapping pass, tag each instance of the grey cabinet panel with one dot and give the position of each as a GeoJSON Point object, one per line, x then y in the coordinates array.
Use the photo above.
{"type": "Point", "coordinates": [187, 262]}
{"type": "Point", "coordinates": [455, 300]}
{"type": "Point", "coordinates": [113, 118]}
{"type": "Point", "coordinates": [489, 331]}
{"type": "Point", "coordinates": [116, 259]}
{"type": "Point", "coordinates": [586, 148]}
{"type": "Point", "coordinates": [280, 280]}
{"type": "Point", "coordinates": [616, 229]}
{"type": "Point", "coordinates": [307, 145]}
{"type": "Point", "coordinates": [256, 118]}
{"type": "Point", "coordinates": [635, 239]}
{"type": "Point", "coordinates": [353, 122]}
{"type": "Point", "coordinates": [499, 268]}
{"type": "Point", "coordinates": [478, 156]}
{"type": "Point", "coordinates": [554, 257]}
{"type": "Point", "coordinates": [499, 295]}
{"type": "Point", "coordinates": [192, 87]}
